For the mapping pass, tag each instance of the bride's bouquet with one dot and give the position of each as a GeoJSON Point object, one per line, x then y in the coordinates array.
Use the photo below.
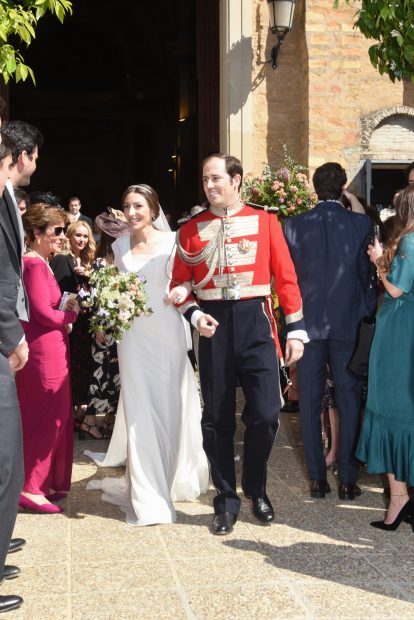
{"type": "Point", "coordinates": [115, 299]}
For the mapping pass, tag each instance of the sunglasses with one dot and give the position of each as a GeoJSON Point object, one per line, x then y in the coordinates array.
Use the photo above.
{"type": "Point", "coordinates": [58, 230]}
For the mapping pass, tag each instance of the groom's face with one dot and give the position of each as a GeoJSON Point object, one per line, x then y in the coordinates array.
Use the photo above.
{"type": "Point", "coordinates": [220, 188]}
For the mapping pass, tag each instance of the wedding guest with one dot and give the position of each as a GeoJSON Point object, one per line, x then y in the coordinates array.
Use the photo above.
{"type": "Point", "coordinates": [71, 268]}
{"type": "Point", "coordinates": [38, 196]}
{"type": "Point", "coordinates": [22, 199]}
{"type": "Point", "coordinates": [157, 426]}
{"type": "Point", "coordinates": [328, 247]}
{"type": "Point", "coordinates": [387, 436]}
{"type": "Point", "coordinates": [104, 383]}
{"type": "Point", "coordinates": [13, 357]}
{"type": "Point", "coordinates": [74, 208]}
{"type": "Point", "coordinates": [43, 385]}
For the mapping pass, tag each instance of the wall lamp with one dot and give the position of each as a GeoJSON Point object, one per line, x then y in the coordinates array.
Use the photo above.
{"type": "Point", "coordinates": [281, 17]}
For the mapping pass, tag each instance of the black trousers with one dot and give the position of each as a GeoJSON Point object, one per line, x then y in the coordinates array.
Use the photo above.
{"type": "Point", "coordinates": [311, 371]}
{"type": "Point", "coordinates": [11, 457]}
{"type": "Point", "coordinates": [243, 348]}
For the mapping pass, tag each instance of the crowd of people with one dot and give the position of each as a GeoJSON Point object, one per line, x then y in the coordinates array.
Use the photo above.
{"type": "Point", "coordinates": [216, 274]}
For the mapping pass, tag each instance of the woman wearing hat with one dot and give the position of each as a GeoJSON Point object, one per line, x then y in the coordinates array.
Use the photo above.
{"type": "Point", "coordinates": [104, 384]}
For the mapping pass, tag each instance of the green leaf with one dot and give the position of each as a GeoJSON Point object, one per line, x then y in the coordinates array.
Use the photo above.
{"type": "Point", "coordinates": [24, 71]}
{"type": "Point", "coordinates": [24, 34]}
{"type": "Point", "coordinates": [11, 63]}
{"type": "Point", "coordinates": [40, 11]}
{"type": "Point", "coordinates": [409, 54]}
{"type": "Point", "coordinates": [385, 11]}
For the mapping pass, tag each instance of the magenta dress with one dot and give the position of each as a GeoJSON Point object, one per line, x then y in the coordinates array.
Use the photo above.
{"type": "Point", "coordinates": [43, 385]}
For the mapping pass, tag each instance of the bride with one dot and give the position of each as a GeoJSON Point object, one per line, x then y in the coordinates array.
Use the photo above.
{"type": "Point", "coordinates": [157, 430]}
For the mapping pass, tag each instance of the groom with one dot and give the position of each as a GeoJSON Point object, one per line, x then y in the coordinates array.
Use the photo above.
{"type": "Point", "coordinates": [230, 252]}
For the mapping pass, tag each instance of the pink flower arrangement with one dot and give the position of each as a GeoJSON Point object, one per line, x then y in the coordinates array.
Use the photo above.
{"type": "Point", "coordinates": [288, 188]}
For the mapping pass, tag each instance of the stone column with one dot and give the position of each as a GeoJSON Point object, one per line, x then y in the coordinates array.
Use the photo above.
{"type": "Point", "coordinates": [236, 135]}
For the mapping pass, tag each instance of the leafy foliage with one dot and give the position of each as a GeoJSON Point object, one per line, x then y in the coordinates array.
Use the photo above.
{"type": "Point", "coordinates": [18, 21]}
{"type": "Point", "coordinates": [391, 23]}
{"type": "Point", "coordinates": [288, 188]}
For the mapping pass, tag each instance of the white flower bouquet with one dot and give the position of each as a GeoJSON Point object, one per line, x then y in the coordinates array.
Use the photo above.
{"type": "Point", "coordinates": [115, 299]}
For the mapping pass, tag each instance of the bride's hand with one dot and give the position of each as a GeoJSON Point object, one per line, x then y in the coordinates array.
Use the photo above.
{"type": "Point", "coordinates": [177, 294]}
{"type": "Point", "coordinates": [100, 338]}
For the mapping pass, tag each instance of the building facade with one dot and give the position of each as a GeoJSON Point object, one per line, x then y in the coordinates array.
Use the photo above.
{"type": "Point", "coordinates": [324, 100]}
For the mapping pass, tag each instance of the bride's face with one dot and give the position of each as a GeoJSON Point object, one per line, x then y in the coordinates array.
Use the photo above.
{"type": "Point", "coordinates": [137, 211]}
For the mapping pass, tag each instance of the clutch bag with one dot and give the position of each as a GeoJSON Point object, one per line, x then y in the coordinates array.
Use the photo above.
{"type": "Point", "coordinates": [358, 363]}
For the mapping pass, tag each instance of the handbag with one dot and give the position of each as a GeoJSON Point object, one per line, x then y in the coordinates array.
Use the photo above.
{"type": "Point", "coordinates": [358, 363]}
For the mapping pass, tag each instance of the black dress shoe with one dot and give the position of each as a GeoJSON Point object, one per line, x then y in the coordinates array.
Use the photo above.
{"type": "Point", "coordinates": [7, 603]}
{"type": "Point", "coordinates": [10, 572]}
{"type": "Point", "coordinates": [290, 406]}
{"type": "Point", "coordinates": [223, 523]}
{"type": "Point", "coordinates": [348, 490]}
{"type": "Point", "coordinates": [263, 509]}
{"type": "Point", "coordinates": [15, 544]}
{"type": "Point", "coordinates": [319, 488]}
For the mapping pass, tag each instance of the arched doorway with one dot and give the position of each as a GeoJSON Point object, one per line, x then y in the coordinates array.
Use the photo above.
{"type": "Point", "coordinates": [124, 93]}
{"type": "Point", "coordinates": [387, 138]}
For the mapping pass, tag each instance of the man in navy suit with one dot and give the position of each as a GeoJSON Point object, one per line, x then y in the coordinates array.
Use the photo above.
{"type": "Point", "coordinates": [328, 245]}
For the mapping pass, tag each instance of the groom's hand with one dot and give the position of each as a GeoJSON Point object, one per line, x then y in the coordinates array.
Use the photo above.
{"type": "Point", "coordinates": [206, 325]}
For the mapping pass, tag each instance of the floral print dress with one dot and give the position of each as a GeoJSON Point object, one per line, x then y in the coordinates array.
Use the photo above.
{"type": "Point", "coordinates": [104, 381]}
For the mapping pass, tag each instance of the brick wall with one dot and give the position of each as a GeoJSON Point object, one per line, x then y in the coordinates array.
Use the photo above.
{"type": "Point", "coordinates": [324, 85]}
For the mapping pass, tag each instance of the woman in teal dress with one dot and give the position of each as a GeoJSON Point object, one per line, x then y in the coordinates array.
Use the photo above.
{"type": "Point", "coordinates": [386, 443]}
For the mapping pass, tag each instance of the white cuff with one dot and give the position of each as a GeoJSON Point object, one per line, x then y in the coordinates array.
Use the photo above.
{"type": "Point", "coordinates": [195, 316]}
{"type": "Point", "coordinates": [298, 334]}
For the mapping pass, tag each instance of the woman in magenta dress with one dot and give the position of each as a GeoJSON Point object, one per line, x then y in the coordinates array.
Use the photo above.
{"type": "Point", "coordinates": [43, 385]}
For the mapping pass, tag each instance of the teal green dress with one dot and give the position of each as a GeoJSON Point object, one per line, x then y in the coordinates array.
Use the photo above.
{"type": "Point", "coordinates": [386, 443]}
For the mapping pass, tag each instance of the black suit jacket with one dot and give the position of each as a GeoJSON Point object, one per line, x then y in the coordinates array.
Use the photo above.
{"type": "Point", "coordinates": [11, 331]}
{"type": "Point", "coordinates": [329, 249]}
{"type": "Point", "coordinates": [85, 218]}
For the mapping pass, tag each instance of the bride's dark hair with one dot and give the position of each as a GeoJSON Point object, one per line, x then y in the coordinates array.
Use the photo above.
{"type": "Point", "coordinates": [403, 225]}
{"type": "Point", "coordinates": [149, 194]}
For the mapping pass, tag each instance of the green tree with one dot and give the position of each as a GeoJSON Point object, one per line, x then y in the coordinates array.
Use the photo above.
{"type": "Point", "coordinates": [18, 22]}
{"type": "Point", "coordinates": [391, 24]}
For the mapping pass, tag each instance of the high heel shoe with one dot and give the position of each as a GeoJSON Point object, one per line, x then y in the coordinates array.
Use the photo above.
{"type": "Point", "coordinates": [87, 431]}
{"type": "Point", "coordinates": [405, 512]}
{"type": "Point", "coordinates": [28, 504]}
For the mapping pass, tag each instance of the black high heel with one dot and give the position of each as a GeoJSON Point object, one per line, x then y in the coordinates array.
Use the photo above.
{"type": "Point", "coordinates": [87, 431]}
{"type": "Point", "coordinates": [406, 511]}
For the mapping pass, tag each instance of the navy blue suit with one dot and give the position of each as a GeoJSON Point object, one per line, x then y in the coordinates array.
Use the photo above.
{"type": "Point", "coordinates": [328, 246]}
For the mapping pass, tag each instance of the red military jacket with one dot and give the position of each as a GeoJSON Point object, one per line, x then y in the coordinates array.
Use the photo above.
{"type": "Point", "coordinates": [254, 257]}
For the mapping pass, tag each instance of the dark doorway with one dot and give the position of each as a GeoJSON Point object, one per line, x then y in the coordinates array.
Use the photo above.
{"type": "Point", "coordinates": [127, 92]}
{"type": "Point", "coordinates": [383, 180]}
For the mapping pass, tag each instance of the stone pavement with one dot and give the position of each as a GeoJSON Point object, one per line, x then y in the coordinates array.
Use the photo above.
{"type": "Point", "coordinates": [320, 559]}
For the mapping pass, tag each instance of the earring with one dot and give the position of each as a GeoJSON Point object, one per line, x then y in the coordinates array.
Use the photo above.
{"type": "Point", "coordinates": [153, 218]}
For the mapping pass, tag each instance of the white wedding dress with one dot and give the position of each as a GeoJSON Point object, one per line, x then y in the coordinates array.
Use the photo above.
{"type": "Point", "coordinates": [157, 431]}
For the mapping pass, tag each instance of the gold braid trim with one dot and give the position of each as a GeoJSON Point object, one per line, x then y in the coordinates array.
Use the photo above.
{"type": "Point", "coordinates": [211, 254]}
